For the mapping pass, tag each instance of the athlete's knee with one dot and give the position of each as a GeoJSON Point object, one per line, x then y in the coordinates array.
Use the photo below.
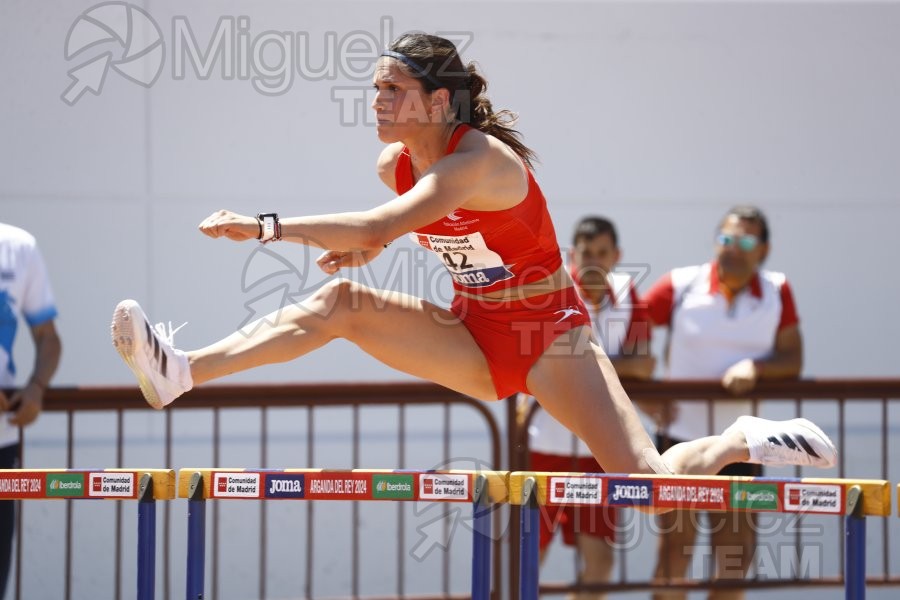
{"type": "Point", "coordinates": [340, 302]}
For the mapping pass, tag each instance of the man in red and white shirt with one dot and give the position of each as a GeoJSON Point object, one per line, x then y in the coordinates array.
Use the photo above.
{"type": "Point", "coordinates": [732, 321]}
{"type": "Point", "coordinates": [621, 325]}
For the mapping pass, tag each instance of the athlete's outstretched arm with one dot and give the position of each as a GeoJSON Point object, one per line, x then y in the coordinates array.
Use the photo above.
{"type": "Point", "coordinates": [449, 184]}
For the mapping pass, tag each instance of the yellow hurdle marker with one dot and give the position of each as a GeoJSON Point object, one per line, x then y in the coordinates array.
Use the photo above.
{"type": "Point", "coordinates": [479, 488]}
{"type": "Point", "coordinates": [852, 498]}
{"type": "Point", "coordinates": [144, 485]}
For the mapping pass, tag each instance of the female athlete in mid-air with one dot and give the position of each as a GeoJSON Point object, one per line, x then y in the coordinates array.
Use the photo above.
{"type": "Point", "coordinates": [465, 190]}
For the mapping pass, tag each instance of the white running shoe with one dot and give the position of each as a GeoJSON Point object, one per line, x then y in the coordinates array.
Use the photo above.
{"type": "Point", "coordinates": [162, 371]}
{"type": "Point", "coordinates": [781, 443]}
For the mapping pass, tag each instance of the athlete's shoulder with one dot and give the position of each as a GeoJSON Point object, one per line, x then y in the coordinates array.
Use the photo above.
{"type": "Point", "coordinates": [487, 156]}
{"type": "Point", "coordinates": [477, 142]}
{"type": "Point", "coordinates": [387, 164]}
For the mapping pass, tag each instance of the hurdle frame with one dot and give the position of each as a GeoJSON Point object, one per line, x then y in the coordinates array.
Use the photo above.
{"type": "Point", "coordinates": [147, 486]}
{"type": "Point", "coordinates": [861, 497]}
{"type": "Point", "coordinates": [488, 489]}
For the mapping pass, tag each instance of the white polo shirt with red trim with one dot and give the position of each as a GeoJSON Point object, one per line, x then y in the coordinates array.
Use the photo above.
{"type": "Point", "coordinates": [708, 334]}
{"type": "Point", "coordinates": [620, 321]}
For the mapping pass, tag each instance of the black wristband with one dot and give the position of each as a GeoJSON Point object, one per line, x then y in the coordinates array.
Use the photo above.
{"type": "Point", "coordinates": [270, 227]}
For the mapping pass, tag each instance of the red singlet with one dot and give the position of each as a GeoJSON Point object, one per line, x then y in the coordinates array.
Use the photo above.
{"type": "Point", "coordinates": [486, 251]}
{"type": "Point", "coordinates": [495, 250]}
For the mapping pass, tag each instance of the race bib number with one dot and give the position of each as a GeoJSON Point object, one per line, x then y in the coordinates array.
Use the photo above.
{"type": "Point", "coordinates": [468, 259]}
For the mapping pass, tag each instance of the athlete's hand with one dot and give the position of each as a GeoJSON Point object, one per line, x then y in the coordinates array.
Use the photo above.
{"type": "Point", "coordinates": [332, 260]}
{"type": "Point", "coordinates": [224, 223]}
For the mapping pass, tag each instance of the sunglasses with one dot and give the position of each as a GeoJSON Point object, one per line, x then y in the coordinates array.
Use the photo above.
{"type": "Point", "coordinates": [746, 243]}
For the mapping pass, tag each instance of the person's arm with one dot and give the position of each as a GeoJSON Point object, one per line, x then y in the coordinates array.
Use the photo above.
{"type": "Point", "coordinates": [658, 304]}
{"type": "Point", "coordinates": [786, 358]}
{"type": "Point", "coordinates": [640, 366]}
{"type": "Point", "coordinates": [28, 401]}
{"type": "Point", "coordinates": [635, 361]}
{"type": "Point", "coordinates": [477, 171]}
{"type": "Point", "coordinates": [785, 361]}
{"type": "Point", "coordinates": [635, 367]}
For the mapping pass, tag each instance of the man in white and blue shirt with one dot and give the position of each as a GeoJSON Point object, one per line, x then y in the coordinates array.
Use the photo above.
{"type": "Point", "coordinates": [24, 292]}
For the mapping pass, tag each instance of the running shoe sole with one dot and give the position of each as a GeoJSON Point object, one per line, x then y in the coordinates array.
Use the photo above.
{"type": "Point", "coordinates": [126, 317]}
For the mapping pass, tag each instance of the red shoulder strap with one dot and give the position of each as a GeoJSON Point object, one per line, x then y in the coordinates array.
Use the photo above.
{"type": "Point", "coordinates": [460, 131]}
{"type": "Point", "coordinates": [403, 172]}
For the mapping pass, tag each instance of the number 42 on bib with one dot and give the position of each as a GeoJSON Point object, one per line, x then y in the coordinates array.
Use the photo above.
{"type": "Point", "coordinates": [468, 259]}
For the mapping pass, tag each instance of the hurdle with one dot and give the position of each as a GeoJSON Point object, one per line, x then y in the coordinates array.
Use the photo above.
{"type": "Point", "coordinates": [144, 485]}
{"type": "Point", "coordinates": [482, 489]}
{"type": "Point", "coordinates": [855, 499]}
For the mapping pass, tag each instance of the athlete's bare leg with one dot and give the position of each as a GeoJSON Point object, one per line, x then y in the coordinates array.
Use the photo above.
{"type": "Point", "coordinates": [707, 455]}
{"type": "Point", "coordinates": [582, 391]}
{"type": "Point", "coordinates": [404, 332]}
{"type": "Point", "coordinates": [576, 384]}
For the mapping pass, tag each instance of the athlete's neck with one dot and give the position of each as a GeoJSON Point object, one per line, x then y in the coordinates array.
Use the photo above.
{"type": "Point", "coordinates": [430, 146]}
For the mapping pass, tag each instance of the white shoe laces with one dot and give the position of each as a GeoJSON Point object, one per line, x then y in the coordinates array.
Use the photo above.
{"type": "Point", "coordinates": [168, 335]}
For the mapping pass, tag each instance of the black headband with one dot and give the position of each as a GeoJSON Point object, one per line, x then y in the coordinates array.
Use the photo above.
{"type": "Point", "coordinates": [416, 67]}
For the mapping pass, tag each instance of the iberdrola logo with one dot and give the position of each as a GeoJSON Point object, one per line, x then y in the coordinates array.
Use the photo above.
{"type": "Point", "coordinates": [65, 484]}
{"type": "Point", "coordinates": [393, 487]}
{"type": "Point", "coordinates": [756, 496]}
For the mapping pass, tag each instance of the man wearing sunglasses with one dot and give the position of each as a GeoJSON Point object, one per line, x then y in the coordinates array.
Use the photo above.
{"type": "Point", "coordinates": [733, 321]}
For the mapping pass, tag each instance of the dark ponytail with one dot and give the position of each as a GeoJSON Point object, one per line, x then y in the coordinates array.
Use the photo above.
{"type": "Point", "coordinates": [482, 117]}
{"type": "Point", "coordinates": [435, 62]}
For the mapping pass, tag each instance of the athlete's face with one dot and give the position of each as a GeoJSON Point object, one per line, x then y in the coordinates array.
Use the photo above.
{"type": "Point", "coordinates": [402, 106]}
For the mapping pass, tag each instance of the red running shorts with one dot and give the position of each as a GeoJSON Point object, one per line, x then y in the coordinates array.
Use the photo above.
{"type": "Point", "coordinates": [514, 334]}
